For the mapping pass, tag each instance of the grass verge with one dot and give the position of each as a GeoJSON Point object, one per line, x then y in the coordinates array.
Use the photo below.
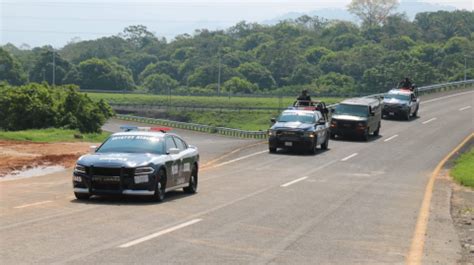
{"type": "Point", "coordinates": [463, 170]}
{"type": "Point", "coordinates": [52, 135]}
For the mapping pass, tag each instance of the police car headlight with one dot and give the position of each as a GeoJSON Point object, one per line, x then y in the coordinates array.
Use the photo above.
{"type": "Point", "coordinates": [144, 171]}
{"type": "Point", "coordinates": [271, 132]}
{"type": "Point", "coordinates": [79, 169]}
{"type": "Point", "coordinates": [309, 134]}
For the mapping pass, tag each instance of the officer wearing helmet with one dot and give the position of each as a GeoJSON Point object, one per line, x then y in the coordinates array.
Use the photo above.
{"type": "Point", "coordinates": [304, 99]}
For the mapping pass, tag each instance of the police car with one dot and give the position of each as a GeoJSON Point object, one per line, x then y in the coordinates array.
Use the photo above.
{"type": "Point", "coordinates": [141, 161]}
{"type": "Point", "coordinates": [300, 127]}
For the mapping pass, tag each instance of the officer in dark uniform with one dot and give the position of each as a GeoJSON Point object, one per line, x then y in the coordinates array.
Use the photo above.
{"type": "Point", "coordinates": [406, 83]}
{"type": "Point", "coordinates": [304, 99]}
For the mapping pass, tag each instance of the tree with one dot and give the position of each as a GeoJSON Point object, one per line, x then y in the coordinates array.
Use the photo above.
{"type": "Point", "coordinates": [137, 62]}
{"type": "Point", "coordinates": [138, 36]}
{"type": "Point", "coordinates": [10, 69]}
{"type": "Point", "coordinates": [163, 67]}
{"type": "Point", "coordinates": [335, 84]}
{"type": "Point", "coordinates": [239, 85]}
{"type": "Point", "coordinates": [372, 12]}
{"type": "Point", "coordinates": [159, 83]}
{"type": "Point", "coordinates": [103, 75]}
{"type": "Point", "coordinates": [257, 74]}
{"type": "Point", "coordinates": [47, 62]}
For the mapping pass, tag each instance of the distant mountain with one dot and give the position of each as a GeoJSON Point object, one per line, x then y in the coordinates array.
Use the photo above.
{"type": "Point", "coordinates": [409, 7]}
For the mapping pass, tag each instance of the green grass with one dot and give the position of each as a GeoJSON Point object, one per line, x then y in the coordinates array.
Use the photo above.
{"type": "Point", "coordinates": [52, 135]}
{"type": "Point", "coordinates": [205, 101]}
{"type": "Point", "coordinates": [463, 170]}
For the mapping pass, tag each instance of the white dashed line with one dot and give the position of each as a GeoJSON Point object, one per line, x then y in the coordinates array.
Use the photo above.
{"type": "Point", "coordinates": [349, 157]}
{"type": "Point", "coordinates": [430, 120]}
{"type": "Point", "coordinates": [391, 138]}
{"type": "Point", "coordinates": [160, 233]}
{"type": "Point", "coordinates": [31, 204]}
{"type": "Point", "coordinates": [293, 182]}
{"type": "Point", "coordinates": [465, 108]}
{"type": "Point", "coordinates": [445, 97]}
{"type": "Point", "coordinates": [238, 159]}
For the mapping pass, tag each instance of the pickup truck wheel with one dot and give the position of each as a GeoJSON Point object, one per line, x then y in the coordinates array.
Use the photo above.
{"type": "Point", "coordinates": [332, 135]}
{"type": "Point", "coordinates": [365, 137]}
{"type": "Point", "coordinates": [160, 188]}
{"type": "Point", "coordinates": [407, 115]}
{"type": "Point", "coordinates": [325, 145]}
{"type": "Point", "coordinates": [272, 149]}
{"type": "Point", "coordinates": [314, 146]}
{"type": "Point", "coordinates": [415, 114]}
{"type": "Point", "coordinates": [82, 196]}
{"type": "Point", "coordinates": [376, 132]}
{"type": "Point", "coordinates": [193, 182]}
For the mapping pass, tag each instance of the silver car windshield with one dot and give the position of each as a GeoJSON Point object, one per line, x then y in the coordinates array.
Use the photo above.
{"type": "Point", "coordinates": [354, 110]}
{"type": "Point", "coordinates": [133, 144]}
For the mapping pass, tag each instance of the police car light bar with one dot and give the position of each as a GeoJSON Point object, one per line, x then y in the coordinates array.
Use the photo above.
{"type": "Point", "coordinates": [128, 128]}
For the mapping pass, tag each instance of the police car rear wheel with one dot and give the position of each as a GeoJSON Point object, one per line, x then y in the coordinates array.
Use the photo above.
{"type": "Point", "coordinates": [193, 182]}
{"type": "Point", "coordinates": [82, 196]}
{"type": "Point", "coordinates": [160, 186]}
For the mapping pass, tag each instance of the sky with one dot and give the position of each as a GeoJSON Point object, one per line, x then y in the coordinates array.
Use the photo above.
{"type": "Point", "coordinates": [57, 22]}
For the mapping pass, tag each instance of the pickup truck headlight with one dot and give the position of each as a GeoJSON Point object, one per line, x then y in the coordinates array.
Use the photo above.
{"type": "Point", "coordinates": [309, 134]}
{"type": "Point", "coordinates": [80, 169]}
{"type": "Point", "coordinates": [271, 132]}
{"type": "Point", "coordinates": [361, 124]}
{"type": "Point", "coordinates": [144, 171]}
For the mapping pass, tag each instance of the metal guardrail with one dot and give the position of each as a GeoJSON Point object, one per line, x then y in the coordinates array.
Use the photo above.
{"type": "Point", "coordinates": [263, 134]}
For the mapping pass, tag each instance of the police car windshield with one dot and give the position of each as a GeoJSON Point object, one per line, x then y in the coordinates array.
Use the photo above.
{"type": "Point", "coordinates": [132, 144]}
{"type": "Point", "coordinates": [297, 117]}
{"type": "Point", "coordinates": [354, 110]}
{"type": "Point", "coordinates": [397, 96]}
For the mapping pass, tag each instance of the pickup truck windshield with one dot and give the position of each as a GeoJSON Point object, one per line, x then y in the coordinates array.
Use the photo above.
{"type": "Point", "coordinates": [397, 96]}
{"type": "Point", "coordinates": [296, 117]}
{"type": "Point", "coordinates": [132, 144]}
{"type": "Point", "coordinates": [354, 110]}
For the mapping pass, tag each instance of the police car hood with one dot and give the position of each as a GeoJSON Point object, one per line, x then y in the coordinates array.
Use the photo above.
{"type": "Point", "coordinates": [394, 101]}
{"type": "Point", "coordinates": [120, 159]}
{"type": "Point", "coordinates": [292, 125]}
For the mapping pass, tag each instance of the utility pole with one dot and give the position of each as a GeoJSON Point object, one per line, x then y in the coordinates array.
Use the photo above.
{"type": "Point", "coordinates": [465, 68]}
{"type": "Point", "coordinates": [219, 77]}
{"type": "Point", "coordinates": [54, 68]}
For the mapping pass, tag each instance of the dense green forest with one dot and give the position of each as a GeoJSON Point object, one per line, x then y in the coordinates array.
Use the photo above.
{"type": "Point", "coordinates": [327, 57]}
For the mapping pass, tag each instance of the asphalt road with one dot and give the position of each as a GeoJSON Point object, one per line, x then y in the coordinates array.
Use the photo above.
{"type": "Point", "coordinates": [356, 203]}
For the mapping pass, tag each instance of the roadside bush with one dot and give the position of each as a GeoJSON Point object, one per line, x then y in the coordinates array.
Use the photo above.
{"type": "Point", "coordinates": [37, 106]}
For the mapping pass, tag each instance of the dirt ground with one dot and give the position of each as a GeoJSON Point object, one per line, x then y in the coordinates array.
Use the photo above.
{"type": "Point", "coordinates": [19, 155]}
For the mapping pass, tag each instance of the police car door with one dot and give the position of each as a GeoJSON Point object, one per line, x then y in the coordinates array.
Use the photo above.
{"type": "Point", "coordinates": [173, 166]}
{"type": "Point", "coordinates": [186, 161]}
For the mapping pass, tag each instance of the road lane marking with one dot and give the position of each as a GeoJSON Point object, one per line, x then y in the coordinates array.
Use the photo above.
{"type": "Point", "coordinates": [31, 204]}
{"type": "Point", "coordinates": [465, 108]}
{"type": "Point", "coordinates": [445, 97]}
{"type": "Point", "coordinates": [293, 182]}
{"type": "Point", "coordinates": [391, 138]}
{"type": "Point", "coordinates": [160, 233]}
{"type": "Point", "coordinates": [349, 157]}
{"type": "Point", "coordinates": [428, 121]}
{"type": "Point", "coordinates": [415, 254]}
{"type": "Point", "coordinates": [237, 159]}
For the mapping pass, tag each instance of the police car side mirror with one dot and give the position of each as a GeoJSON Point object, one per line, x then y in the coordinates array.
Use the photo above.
{"type": "Point", "coordinates": [321, 122]}
{"type": "Point", "coordinates": [92, 149]}
{"type": "Point", "coordinates": [173, 151]}
{"type": "Point", "coordinates": [273, 120]}
{"type": "Point", "coordinates": [333, 110]}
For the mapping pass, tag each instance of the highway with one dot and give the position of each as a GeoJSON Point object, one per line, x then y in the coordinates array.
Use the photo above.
{"type": "Point", "coordinates": [356, 203]}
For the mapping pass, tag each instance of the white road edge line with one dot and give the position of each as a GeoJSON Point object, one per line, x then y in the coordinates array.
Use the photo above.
{"type": "Point", "coordinates": [391, 138]}
{"type": "Point", "coordinates": [430, 120]}
{"type": "Point", "coordinates": [465, 108]}
{"type": "Point", "coordinates": [31, 204]}
{"type": "Point", "coordinates": [238, 159]}
{"type": "Point", "coordinates": [445, 97]}
{"type": "Point", "coordinates": [293, 182]}
{"type": "Point", "coordinates": [160, 233]}
{"type": "Point", "coordinates": [349, 157]}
